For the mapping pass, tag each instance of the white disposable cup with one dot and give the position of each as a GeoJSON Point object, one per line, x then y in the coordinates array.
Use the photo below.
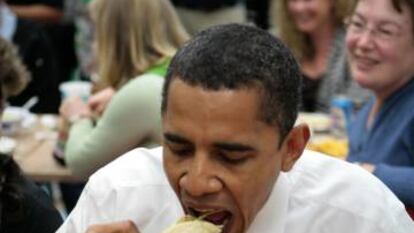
{"type": "Point", "coordinates": [76, 88]}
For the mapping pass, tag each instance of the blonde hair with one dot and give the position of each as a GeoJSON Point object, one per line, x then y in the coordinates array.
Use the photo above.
{"type": "Point", "coordinates": [132, 36]}
{"type": "Point", "coordinates": [296, 40]}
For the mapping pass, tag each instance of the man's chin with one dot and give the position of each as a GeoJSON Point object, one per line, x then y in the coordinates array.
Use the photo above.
{"type": "Point", "coordinates": [228, 226]}
{"type": "Point", "coordinates": [233, 226]}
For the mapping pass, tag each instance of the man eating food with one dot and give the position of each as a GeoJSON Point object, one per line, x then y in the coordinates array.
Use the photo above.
{"type": "Point", "coordinates": [232, 155]}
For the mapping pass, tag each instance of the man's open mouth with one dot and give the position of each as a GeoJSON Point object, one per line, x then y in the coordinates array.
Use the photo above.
{"type": "Point", "coordinates": [215, 216]}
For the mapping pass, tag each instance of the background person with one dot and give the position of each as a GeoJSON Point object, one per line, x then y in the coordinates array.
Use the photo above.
{"type": "Point", "coordinates": [250, 174]}
{"type": "Point", "coordinates": [258, 12]}
{"type": "Point", "coordinates": [50, 15]}
{"type": "Point", "coordinates": [36, 51]}
{"type": "Point", "coordinates": [380, 44]}
{"type": "Point", "coordinates": [77, 12]}
{"type": "Point", "coordinates": [197, 15]}
{"type": "Point", "coordinates": [135, 41]}
{"type": "Point", "coordinates": [314, 30]}
{"type": "Point", "coordinates": [24, 207]}
{"type": "Point", "coordinates": [47, 11]}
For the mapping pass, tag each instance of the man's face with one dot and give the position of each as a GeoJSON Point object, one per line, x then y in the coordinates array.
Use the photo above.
{"type": "Point", "coordinates": [218, 156]}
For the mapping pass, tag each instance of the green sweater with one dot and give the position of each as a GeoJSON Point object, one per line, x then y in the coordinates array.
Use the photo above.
{"type": "Point", "coordinates": [131, 119]}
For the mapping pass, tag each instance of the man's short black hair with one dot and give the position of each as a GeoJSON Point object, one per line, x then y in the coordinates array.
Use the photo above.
{"type": "Point", "coordinates": [237, 56]}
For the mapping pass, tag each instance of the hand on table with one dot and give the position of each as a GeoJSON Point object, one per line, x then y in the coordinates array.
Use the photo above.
{"type": "Point", "coordinates": [115, 227]}
{"type": "Point", "coordinates": [98, 102]}
{"type": "Point", "coordinates": [73, 108]}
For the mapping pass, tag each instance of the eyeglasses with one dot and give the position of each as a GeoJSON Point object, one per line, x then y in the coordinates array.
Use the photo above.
{"type": "Point", "coordinates": [382, 32]}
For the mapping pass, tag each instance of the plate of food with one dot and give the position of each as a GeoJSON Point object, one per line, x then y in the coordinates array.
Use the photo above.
{"type": "Point", "coordinates": [318, 122]}
{"type": "Point", "coordinates": [336, 147]}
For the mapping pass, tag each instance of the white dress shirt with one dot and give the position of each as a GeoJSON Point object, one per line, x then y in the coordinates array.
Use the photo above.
{"type": "Point", "coordinates": [320, 194]}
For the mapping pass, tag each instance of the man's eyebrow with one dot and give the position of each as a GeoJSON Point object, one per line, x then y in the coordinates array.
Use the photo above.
{"type": "Point", "coordinates": [175, 138]}
{"type": "Point", "coordinates": [233, 147]}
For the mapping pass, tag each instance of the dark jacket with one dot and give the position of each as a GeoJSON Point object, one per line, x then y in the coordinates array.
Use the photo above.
{"type": "Point", "coordinates": [36, 51]}
{"type": "Point", "coordinates": [24, 207]}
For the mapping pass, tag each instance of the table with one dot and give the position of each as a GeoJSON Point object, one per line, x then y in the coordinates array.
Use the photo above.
{"type": "Point", "coordinates": [35, 148]}
{"type": "Point", "coordinates": [34, 154]}
{"type": "Point", "coordinates": [324, 138]}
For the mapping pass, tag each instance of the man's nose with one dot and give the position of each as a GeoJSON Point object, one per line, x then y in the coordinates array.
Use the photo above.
{"type": "Point", "coordinates": [201, 177]}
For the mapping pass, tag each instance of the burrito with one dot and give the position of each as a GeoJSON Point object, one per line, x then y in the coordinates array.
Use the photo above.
{"type": "Point", "coordinates": [190, 224]}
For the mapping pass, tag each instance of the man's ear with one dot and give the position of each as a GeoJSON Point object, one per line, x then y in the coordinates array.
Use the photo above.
{"type": "Point", "coordinates": [294, 144]}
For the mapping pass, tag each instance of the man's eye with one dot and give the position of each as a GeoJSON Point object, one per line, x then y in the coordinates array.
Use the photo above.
{"type": "Point", "coordinates": [181, 151]}
{"type": "Point", "coordinates": [233, 159]}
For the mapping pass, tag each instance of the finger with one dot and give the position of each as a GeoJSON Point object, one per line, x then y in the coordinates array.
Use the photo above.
{"type": "Point", "coordinates": [116, 227]}
{"type": "Point", "coordinates": [93, 102]}
{"type": "Point", "coordinates": [61, 109]}
{"type": "Point", "coordinates": [101, 108]}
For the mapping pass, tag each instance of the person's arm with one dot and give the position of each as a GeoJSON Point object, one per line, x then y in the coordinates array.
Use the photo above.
{"type": "Point", "coordinates": [126, 226]}
{"type": "Point", "coordinates": [399, 179]}
{"type": "Point", "coordinates": [38, 12]}
{"type": "Point", "coordinates": [98, 102]}
{"type": "Point", "coordinates": [131, 117]}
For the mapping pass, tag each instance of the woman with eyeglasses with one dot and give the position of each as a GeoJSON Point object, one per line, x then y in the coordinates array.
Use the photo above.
{"type": "Point", "coordinates": [380, 46]}
{"type": "Point", "coordinates": [315, 31]}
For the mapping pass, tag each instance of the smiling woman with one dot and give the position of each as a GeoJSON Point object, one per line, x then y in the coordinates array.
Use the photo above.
{"type": "Point", "coordinates": [315, 31]}
{"type": "Point", "coordinates": [380, 44]}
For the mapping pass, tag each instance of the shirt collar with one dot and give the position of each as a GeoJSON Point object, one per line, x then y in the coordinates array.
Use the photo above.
{"type": "Point", "coordinates": [8, 22]}
{"type": "Point", "coordinates": [272, 217]}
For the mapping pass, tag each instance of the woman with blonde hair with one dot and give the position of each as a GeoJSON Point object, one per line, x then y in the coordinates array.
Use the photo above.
{"type": "Point", "coordinates": [134, 41]}
{"type": "Point", "coordinates": [315, 31]}
{"type": "Point", "coordinates": [132, 36]}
